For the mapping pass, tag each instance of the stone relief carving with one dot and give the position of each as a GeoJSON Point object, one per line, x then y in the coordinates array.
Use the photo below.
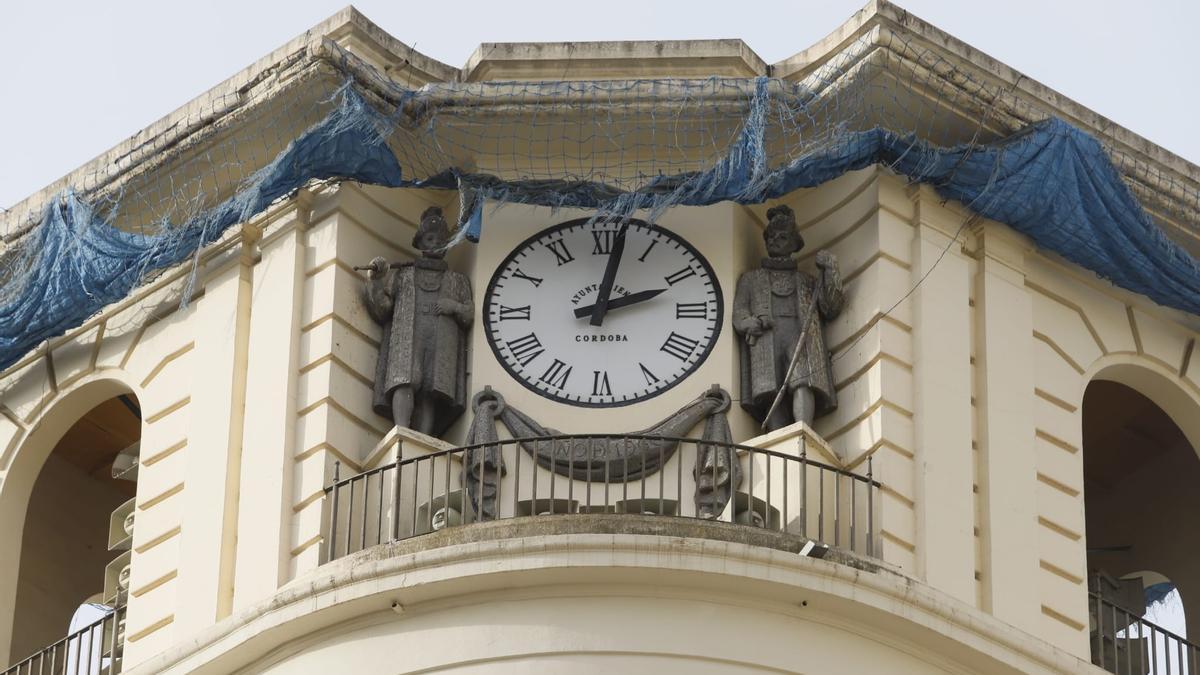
{"type": "Point", "coordinates": [786, 373]}
{"type": "Point", "coordinates": [426, 311]}
{"type": "Point", "coordinates": [623, 457]}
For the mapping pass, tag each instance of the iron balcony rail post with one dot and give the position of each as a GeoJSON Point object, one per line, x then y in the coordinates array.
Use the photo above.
{"type": "Point", "coordinates": [499, 500]}
{"type": "Point", "coordinates": [412, 522]}
{"type": "Point", "coordinates": [785, 523]}
{"type": "Point", "coordinates": [366, 500]}
{"type": "Point", "coordinates": [837, 508]}
{"type": "Point", "coordinates": [482, 452]}
{"type": "Point", "coordinates": [117, 617]}
{"type": "Point", "coordinates": [432, 461]}
{"type": "Point", "coordinates": [350, 515]}
{"type": "Point", "coordinates": [333, 511]}
{"type": "Point", "coordinates": [516, 491]}
{"type": "Point", "coordinates": [448, 460]}
{"type": "Point", "coordinates": [766, 509]}
{"type": "Point", "coordinates": [749, 490]}
{"type": "Point", "coordinates": [803, 487]}
{"type": "Point", "coordinates": [396, 476]}
{"type": "Point", "coordinates": [553, 472]}
{"type": "Point", "coordinates": [870, 505]}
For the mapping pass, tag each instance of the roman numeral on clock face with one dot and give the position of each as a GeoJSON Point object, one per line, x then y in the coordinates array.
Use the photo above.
{"type": "Point", "coordinates": [525, 349]}
{"type": "Point", "coordinates": [604, 241]}
{"type": "Point", "coordinates": [559, 248]}
{"type": "Point", "coordinates": [679, 276]}
{"type": "Point", "coordinates": [600, 385]}
{"type": "Point", "coordinates": [651, 378]}
{"type": "Point", "coordinates": [647, 251]}
{"type": "Point", "coordinates": [518, 274]}
{"type": "Point", "coordinates": [679, 346]}
{"type": "Point", "coordinates": [556, 375]}
{"type": "Point", "coordinates": [691, 310]}
{"type": "Point", "coordinates": [514, 313]}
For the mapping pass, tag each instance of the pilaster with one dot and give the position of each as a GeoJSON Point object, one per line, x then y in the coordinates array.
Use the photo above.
{"type": "Point", "coordinates": [942, 401]}
{"type": "Point", "coordinates": [210, 457]}
{"type": "Point", "coordinates": [1008, 473]}
{"type": "Point", "coordinates": [265, 511]}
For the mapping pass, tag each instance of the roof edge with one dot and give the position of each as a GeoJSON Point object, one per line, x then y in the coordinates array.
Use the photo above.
{"type": "Point", "coordinates": [895, 21]}
{"type": "Point", "coordinates": [636, 54]}
{"type": "Point", "coordinates": [345, 25]}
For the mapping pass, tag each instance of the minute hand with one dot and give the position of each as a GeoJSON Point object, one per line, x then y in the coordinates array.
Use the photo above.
{"type": "Point", "coordinates": [623, 301]}
{"type": "Point", "coordinates": [610, 275]}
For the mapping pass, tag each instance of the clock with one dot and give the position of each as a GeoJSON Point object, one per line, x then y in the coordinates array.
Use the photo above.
{"type": "Point", "coordinates": [601, 313]}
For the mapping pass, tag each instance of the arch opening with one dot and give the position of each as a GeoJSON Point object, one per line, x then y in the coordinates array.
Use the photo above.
{"type": "Point", "coordinates": [1142, 508]}
{"type": "Point", "coordinates": [75, 539]}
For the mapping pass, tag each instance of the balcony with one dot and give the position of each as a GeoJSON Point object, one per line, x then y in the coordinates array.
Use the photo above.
{"type": "Point", "coordinates": [1126, 644]}
{"type": "Point", "coordinates": [605, 479]}
{"type": "Point", "coordinates": [94, 649]}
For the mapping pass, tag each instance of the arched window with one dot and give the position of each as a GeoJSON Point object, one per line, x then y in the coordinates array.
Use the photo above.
{"type": "Point", "coordinates": [1142, 503]}
{"type": "Point", "coordinates": [74, 543]}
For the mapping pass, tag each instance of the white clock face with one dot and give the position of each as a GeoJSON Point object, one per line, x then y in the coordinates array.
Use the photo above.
{"type": "Point", "coordinates": [663, 316]}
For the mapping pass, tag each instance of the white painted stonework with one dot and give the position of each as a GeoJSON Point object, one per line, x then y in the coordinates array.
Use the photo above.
{"type": "Point", "coordinates": [965, 394]}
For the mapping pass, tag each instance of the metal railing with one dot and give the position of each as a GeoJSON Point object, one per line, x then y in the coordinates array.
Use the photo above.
{"type": "Point", "coordinates": [92, 650]}
{"type": "Point", "coordinates": [776, 491]}
{"type": "Point", "coordinates": [1125, 643]}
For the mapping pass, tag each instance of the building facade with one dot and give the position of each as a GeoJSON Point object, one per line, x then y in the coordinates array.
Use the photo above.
{"type": "Point", "coordinates": [1008, 467]}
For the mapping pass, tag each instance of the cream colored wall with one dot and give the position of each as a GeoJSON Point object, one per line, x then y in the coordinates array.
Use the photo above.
{"type": "Point", "coordinates": [965, 393]}
{"type": "Point", "coordinates": [627, 630]}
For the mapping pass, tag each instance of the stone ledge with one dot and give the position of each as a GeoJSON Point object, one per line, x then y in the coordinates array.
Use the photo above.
{"type": "Point", "coordinates": [606, 524]}
{"type": "Point", "coordinates": [513, 560]}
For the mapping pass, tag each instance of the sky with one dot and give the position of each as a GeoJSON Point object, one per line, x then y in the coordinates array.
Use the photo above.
{"type": "Point", "coordinates": [80, 77]}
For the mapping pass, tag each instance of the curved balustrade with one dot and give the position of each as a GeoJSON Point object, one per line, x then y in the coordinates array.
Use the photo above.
{"type": "Point", "coordinates": [1125, 643]}
{"type": "Point", "coordinates": [94, 649]}
{"type": "Point", "coordinates": [683, 477]}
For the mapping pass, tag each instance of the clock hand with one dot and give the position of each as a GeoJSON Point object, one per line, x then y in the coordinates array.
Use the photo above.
{"type": "Point", "coordinates": [623, 301]}
{"type": "Point", "coordinates": [610, 275]}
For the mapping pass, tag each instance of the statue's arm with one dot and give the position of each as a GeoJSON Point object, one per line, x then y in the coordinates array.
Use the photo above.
{"type": "Point", "coordinates": [744, 320]}
{"type": "Point", "coordinates": [460, 307]}
{"type": "Point", "coordinates": [465, 312]}
{"type": "Point", "coordinates": [831, 297]}
{"type": "Point", "coordinates": [378, 295]}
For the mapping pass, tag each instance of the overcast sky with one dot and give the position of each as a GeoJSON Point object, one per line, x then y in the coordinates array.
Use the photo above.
{"type": "Point", "coordinates": [80, 77]}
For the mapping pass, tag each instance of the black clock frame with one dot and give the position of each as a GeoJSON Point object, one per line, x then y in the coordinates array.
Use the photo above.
{"type": "Point", "coordinates": [487, 321]}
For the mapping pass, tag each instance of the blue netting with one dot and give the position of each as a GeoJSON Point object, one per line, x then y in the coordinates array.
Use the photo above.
{"type": "Point", "coordinates": [1156, 593]}
{"type": "Point", "coordinates": [613, 146]}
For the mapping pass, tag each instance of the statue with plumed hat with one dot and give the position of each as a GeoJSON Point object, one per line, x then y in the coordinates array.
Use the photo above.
{"type": "Point", "coordinates": [778, 310]}
{"type": "Point", "coordinates": [426, 311]}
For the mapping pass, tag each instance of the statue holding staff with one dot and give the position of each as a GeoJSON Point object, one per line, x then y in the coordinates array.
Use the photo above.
{"type": "Point", "coordinates": [426, 312]}
{"type": "Point", "coordinates": [778, 310]}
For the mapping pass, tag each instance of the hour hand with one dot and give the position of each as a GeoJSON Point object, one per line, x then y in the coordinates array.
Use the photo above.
{"type": "Point", "coordinates": [623, 301]}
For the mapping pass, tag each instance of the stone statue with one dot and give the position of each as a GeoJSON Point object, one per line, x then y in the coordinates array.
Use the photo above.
{"type": "Point", "coordinates": [771, 309]}
{"type": "Point", "coordinates": [426, 312]}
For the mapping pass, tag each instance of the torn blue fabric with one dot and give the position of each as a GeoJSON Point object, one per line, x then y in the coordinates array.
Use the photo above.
{"type": "Point", "coordinates": [76, 263]}
{"type": "Point", "coordinates": [1050, 181]}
